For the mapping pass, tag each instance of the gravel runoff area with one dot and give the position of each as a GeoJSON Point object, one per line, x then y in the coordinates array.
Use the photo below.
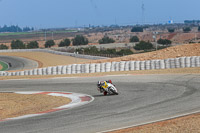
{"type": "Point", "coordinates": [185, 124]}
{"type": "Point", "coordinates": [14, 105]}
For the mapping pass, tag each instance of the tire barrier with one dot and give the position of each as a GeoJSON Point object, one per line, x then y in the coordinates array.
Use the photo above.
{"type": "Point", "coordinates": [87, 68]}
{"type": "Point", "coordinates": [78, 68]}
{"type": "Point", "coordinates": [122, 65]}
{"type": "Point", "coordinates": [108, 67]}
{"type": "Point", "coordinates": [132, 65]}
{"type": "Point", "coordinates": [112, 69]}
{"type": "Point", "coordinates": [127, 66]}
{"type": "Point", "coordinates": [182, 62]}
{"type": "Point", "coordinates": [102, 67]}
{"type": "Point", "coordinates": [69, 69]}
{"type": "Point", "coordinates": [92, 68]}
{"type": "Point", "coordinates": [74, 69]}
{"type": "Point", "coordinates": [97, 68]}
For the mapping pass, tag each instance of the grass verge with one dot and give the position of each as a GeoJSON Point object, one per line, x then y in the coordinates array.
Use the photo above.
{"type": "Point", "coordinates": [4, 66]}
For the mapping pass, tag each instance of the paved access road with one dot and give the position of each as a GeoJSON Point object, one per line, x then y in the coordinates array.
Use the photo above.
{"type": "Point", "coordinates": [142, 98]}
{"type": "Point", "coordinates": [18, 63]}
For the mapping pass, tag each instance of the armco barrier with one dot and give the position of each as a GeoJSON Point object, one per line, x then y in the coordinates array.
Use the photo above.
{"type": "Point", "coordinates": [181, 62]}
{"type": "Point", "coordinates": [55, 52]}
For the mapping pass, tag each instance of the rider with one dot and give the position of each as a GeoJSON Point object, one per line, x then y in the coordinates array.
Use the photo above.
{"type": "Point", "coordinates": [103, 86]}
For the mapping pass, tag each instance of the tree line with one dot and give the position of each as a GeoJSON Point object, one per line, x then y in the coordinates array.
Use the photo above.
{"type": "Point", "coordinates": [15, 28]}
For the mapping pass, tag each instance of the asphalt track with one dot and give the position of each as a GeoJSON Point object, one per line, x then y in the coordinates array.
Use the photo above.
{"type": "Point", "coordinates": [18, 63]}
{"type": "Point", "coordinates": [142, 99]}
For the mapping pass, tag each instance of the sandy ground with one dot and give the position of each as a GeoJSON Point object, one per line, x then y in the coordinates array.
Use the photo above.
{"type": "Point", "coordinates": [13, 105]}
{"type": "Point", "coordinates": [47, 59]}
{"type": "Point", "coordinates": [186, 124]}
{"type": "Point", "coordinates": [171, 52]}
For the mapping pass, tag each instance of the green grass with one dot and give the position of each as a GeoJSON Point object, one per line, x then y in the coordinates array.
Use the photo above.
{"type": "Point", "coordinates": [32, 33]}
{"type": "Point", "coordinates": [4, 66]}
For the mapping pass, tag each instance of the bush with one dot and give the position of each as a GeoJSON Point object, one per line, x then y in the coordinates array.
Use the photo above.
{"type": "Point", "coordinates": [186, 29]}
{"type": "Point", "coordinates": [65, 42]}
{"type": "Point", "coordinates": [142, 45]}
{"type": "Point", "coordinates": [164, 41]}
{"type": "Point", "coordinates": [80, 40]}
{"type": "Point", "coordinates": [49, 43]}
{"type": "Point", "coordinates": [17, 44]}
{"type": "Point", "coordinates": [137, 29]}
{"type": "Point", "coordinates": [106, 40]}
{"type": "Point", "coordinates": [32, 44]}
{"type": "Point", "coordinates": [171, 30]}
{"type": "Point", "coordinates": [2, 46]}
{"type": "Point", "coordinates": [125, 52]}
{"type": "Point", "coordinates": [134, 39]}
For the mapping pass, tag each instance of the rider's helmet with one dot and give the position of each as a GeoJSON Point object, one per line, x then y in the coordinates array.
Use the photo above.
{"type": "Point", "coordinates": [98, 83]}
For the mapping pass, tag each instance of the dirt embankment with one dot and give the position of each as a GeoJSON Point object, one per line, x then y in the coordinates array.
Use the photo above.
{"type": "Point", "coordinates": [13, 105]}
{"type": "Point", "coordinates": [171, 52]}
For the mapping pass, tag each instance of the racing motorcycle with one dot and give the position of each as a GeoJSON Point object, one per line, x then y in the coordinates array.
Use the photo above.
{"type": "Point", "coordinates": [107, 87]}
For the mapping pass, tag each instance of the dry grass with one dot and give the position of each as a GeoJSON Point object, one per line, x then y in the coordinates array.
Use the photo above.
{"type": "Point", "coordinates": [47, 59]}
{"type": "Point", "coordinates": [13, 105]}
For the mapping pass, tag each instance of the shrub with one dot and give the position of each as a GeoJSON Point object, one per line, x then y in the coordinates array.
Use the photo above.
{"type": "Point", "coordinates": [187, 29]}
{"type": "Point", "coordinates": [125, 52]}
{"type": "Point", "coordinates": [171, 30]}
{"type": "Point", "coordinates": [65, 42]}
{"type": "Point", "coordinates": [2, 46]}
{"type": "Point", "coordinates": [137, 29]}
{"type": "Point", "coordinates": [80, 40]}
{"type": "Point", "coordinates": [17, 44]}
{"type": "Point", "coordinates": [106, 40]}
{"type": "Point", "coordinates": [142, 45]}
{"type": "Point", "coordinates": [32, 44]}
{"type": "Point", "coordinates": [134, 39]}
{"type": "Point", "coordinates": [164, 41]}
{"type": "Point", "coordinates": [49, 43]}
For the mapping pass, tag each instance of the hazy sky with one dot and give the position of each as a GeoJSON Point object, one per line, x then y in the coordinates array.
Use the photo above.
{"type": "Point", "coordinates": [67, 13]}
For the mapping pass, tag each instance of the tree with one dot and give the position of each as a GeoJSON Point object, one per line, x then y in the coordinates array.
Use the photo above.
{"type": "Point", "coordinates": [187, 29]}
{"type": "Point", "coordinates": [134, 39]}
{"type": "Point", "coordinates": [171, 30]}
{"type": "Point", "coordinates": [49, 43]}
{"type": "Point", "coordinates": [2, 46]}
{"type": "Point", "coordinates": [199, 28]}
{"type": "Point", "coordinates": [164, 41]}
{"type": "Point", "coordinates": [137, 29]}
{"type": "Point", "coordinates": [80, 40]}
{"type": "Point", "coordinates": [106, 40]}
{"type": "Point", "coordinates": [17, 44]}
{"type": "Point", "coordinates": [32, 44]}
{"type": "Point", "coordinates": [65, 42]}
{"type": "Point", "coordinates": [142, 45]}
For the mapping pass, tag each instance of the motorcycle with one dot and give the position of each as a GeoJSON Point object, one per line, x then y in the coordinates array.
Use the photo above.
{"type": "Point", "coordinates": [107, 87]}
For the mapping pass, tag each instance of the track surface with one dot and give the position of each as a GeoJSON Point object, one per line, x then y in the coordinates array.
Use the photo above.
{"type": "Point", "coordinates": [142, 98]}
{"type": "Point", "coordinates": [18, 63]}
